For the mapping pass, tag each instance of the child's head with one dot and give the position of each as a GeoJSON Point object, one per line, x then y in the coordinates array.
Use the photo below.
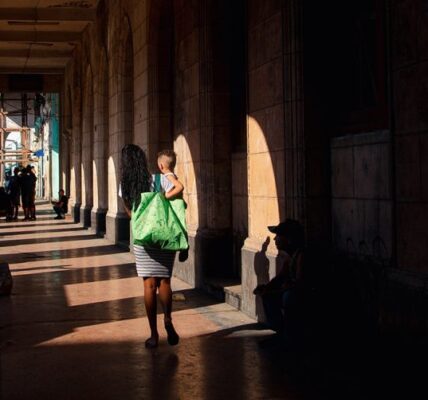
{"type": "Point", "coordinates": [167, 160]}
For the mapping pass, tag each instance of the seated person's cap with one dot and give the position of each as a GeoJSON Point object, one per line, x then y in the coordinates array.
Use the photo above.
{"type": "Point", "coordinates": [289, 226]}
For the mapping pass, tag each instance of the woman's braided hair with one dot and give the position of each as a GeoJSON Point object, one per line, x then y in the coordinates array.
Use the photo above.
{"type": "Point", "coordinates": [136, 178]}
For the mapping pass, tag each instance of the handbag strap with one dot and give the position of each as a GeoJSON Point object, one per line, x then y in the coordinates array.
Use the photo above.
{"type": "Point", "coordinates": [157, 183]}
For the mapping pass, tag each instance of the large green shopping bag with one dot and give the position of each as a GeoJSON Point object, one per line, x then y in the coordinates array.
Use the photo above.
{"type": "Point", "coordinates": [159, 223]}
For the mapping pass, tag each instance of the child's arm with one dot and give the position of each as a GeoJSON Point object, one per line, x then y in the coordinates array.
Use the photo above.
{"type": "Point", "coordinates": [176, 190]}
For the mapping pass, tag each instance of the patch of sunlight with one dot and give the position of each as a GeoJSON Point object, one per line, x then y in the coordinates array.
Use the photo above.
{"type": "Point", "coordinates": [120, 329]}
{"type": "Point", "coordinates": [83, 185]}
{"type": "Point", "coordinates": [95, 185]}
{"type": "Point", "coordinates": [95, 331]}
{"type": "Point", "coordinates": [99, 291]}
{"type": "Point", "coordinates": [264, 178]}
{"type": "Point", "coordinates": [185, 170]}
{"type": "Point", "coordinates": [112, 187]}
{"type": "Point", "coordinates": [72, 185]}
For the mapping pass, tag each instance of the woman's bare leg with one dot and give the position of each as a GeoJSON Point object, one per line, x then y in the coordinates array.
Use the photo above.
{"type": "Point", "coordinates": [150, 286]}
{"type": "Point", "coordinates": [165, 297]}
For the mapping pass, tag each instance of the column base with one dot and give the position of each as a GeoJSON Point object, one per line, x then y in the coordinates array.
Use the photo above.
{"type": "Point", "coordinates": [210, 255]}
{"type": "Point", "coordinates": [98, 221]}
{"type": "Point", "coordinates": [85, 216]}
{"type": "Point", "coordinates": [117, 228]}
{"type": "Point", "coordinates": [75, 212]}
{"type": "Point", "coordinates": [189, 270]}
{"type": "Point", "coordinates": [258, 266]}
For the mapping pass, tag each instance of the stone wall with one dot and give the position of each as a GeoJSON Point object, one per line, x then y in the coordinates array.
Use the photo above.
{"type": "Point", "coordinates": [410, 80]}
{"type": "Point", "coordinates": [361, 195]}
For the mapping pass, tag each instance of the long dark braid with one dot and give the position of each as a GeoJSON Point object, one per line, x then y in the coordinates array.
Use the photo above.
{"type": "Point", "coordinates": [136, 177]}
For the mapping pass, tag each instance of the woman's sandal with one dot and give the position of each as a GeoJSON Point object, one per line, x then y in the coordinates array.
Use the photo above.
{"type": "Point", "coordinates": [172, 335]}
{"type": "Point", "coordinates": [151, 343]}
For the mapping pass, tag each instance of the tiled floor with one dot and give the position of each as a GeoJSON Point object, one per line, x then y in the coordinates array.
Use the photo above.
{"type": "Point", "coordinates": [75, 325]}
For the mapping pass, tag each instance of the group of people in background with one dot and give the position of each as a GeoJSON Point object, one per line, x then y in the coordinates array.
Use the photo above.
{"type": "Point", "coordinates": [21, 187]}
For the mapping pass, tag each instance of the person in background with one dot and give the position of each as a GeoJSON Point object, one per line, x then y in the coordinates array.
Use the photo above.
{"type": "Point", "coordinates": [61, 206]}
{"type": "Point", "coordinates": [14, 190]}
{"type": "Point", "coordinates": [28, 193]}
{"type": "Point", "coordinates": [33, 180]}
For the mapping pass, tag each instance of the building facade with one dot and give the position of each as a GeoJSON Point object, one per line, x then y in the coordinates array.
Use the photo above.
{"type": "Point", "coordinates": [276, 109]}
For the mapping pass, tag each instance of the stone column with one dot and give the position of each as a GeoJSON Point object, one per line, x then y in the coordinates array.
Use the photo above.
{"type": "Point", "coordinates": [294, 110]}
{"type": "Point", "coordinates": [121, 126]}
{"type": "Point", "coordinates": [87, 153]}
{"type": "Point", "coordinates": [75, 176]}
{"type": "Point", "coordinates": [100, 146]}
{"type": "Point", "coordinates": [117, 222]}
{"type": "Point", "coordinates": [275, 129]}
{"type": "Point", "coordinates": [65, 165]}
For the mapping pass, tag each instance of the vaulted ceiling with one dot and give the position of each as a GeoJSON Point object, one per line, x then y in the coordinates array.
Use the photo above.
{"type": "Point", "coordinates": [38, 36]}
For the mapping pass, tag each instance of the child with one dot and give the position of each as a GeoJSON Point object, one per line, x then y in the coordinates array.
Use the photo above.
{"type": "Point", "coordinates": [153, 265]}
{"type": "Point", "coordinates": [166, 163]}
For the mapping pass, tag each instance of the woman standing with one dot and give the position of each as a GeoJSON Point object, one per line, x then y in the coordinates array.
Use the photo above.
{"type": "Point", "coordinates": [153, 265]}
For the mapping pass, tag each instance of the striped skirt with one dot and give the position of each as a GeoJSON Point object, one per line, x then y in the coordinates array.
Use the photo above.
{"type": "Point", "coordinates": [153, 262]}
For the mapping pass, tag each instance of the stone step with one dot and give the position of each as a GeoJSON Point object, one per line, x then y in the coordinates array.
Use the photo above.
{"type": "Point", "coordinates": [227, 290]}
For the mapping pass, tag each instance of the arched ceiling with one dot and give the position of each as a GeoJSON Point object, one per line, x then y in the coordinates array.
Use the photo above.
{"type": "Point", "coordinates": [38, 36]}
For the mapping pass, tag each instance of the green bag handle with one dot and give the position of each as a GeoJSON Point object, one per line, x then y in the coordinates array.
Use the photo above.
{"type": "Point", "coordinates": [157, 184]}
{"type": "Point", "coordinates": [156, 187]}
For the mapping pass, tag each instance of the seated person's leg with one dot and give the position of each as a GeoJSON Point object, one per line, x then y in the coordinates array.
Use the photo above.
{"type": "Point", "coordinates": [58, 211]}
{"type": "Point", "coordinates": [290, 305]}
{"type": "Point", "coordinates": [273, 311]}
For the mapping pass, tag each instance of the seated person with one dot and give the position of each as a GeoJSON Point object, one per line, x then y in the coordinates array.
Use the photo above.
{"type": "Point", "coordinates": [5, 205]}
{"type": "Point", "coordinates": [61, 206]}
{"type": "Point", "coordinates": [280, 295]}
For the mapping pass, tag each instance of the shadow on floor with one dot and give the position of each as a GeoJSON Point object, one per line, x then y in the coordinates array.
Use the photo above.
{"type": "Point", "coordinates": [66, 253]}
{"type": "Point", "coordinates": [55, 239]}
{"type": "Point", "coordinates": [35, 224]}
{"type": "Point", "coordinates": [35, 232]}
